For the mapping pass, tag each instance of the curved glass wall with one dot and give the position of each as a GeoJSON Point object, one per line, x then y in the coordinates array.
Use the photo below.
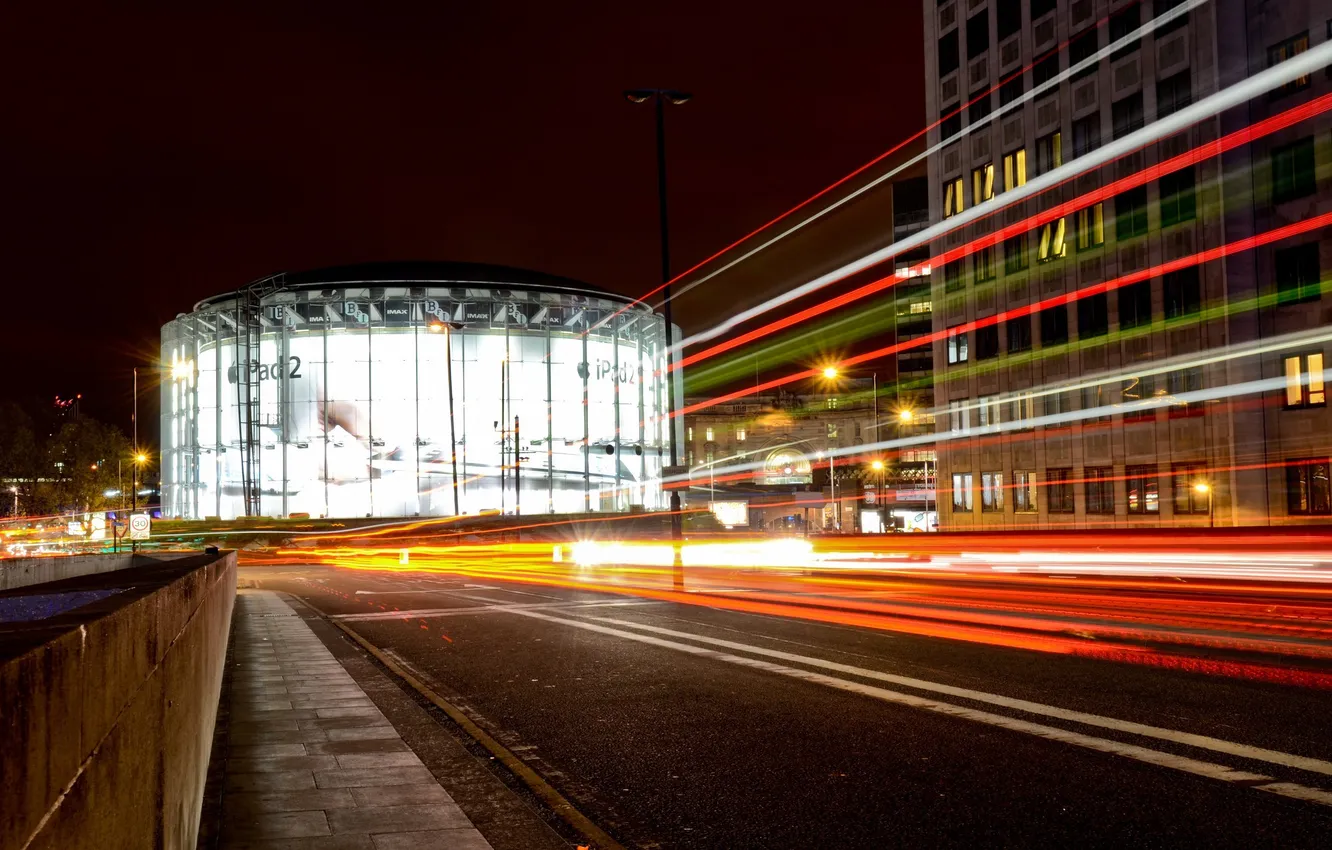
{"type": "Point", "coordinates": [413, 401]}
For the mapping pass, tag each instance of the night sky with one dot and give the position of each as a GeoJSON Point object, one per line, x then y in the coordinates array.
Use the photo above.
{"type": "Point", "coordinates": [151, 159]}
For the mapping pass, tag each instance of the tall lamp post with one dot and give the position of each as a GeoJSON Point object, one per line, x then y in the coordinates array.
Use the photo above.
{"type": "Point", "coordinates": [448, 328]}
{"type": "Point", "coordinates": [139, 459]}
{"type": "Point", "coordinates": [660, 97]}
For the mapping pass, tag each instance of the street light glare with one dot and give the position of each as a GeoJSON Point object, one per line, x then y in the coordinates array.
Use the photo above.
{"type": "Point", "coordinates": [906, 415]}
{"type": "Point", "coordinates": [830, 372]}
{"type": "Point", "coordinates": [877, 465]}
{"type": "Point", "coordinates": [182, 369]}
{"type": "Point", "coordinates": [1201, 487]}
{"type": "Point", "coordinates": [140, 458]}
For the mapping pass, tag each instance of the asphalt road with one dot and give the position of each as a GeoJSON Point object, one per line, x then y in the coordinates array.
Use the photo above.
{"type": "Point", "coordinates": [673, 724]}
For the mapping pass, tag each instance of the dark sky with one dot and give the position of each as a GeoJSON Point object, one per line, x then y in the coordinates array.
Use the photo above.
{"type": "Point", "coordinates": [153, 158]}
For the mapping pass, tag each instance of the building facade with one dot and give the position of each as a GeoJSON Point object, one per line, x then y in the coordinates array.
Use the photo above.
{"type": "Point", "coordinates": [1116, 366]}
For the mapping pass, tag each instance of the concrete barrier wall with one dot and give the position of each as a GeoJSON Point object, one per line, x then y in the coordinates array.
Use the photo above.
{"type": "Point", "coordinates": [22, 572]}
{"type": "Point", "coordinates": [106, 722]}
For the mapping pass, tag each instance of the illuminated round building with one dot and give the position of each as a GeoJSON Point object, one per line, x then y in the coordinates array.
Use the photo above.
{"type": "Point", "coordinates": [413, 389]}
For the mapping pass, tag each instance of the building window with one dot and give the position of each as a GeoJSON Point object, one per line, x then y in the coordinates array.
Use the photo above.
{"type": "Point", "coordinates": [1082, 48]}
{"type": "Point", "coordinates": [708, 437]}
{"type": "Point", "coordinates": [1142, 485]}
{"type": "Point", "coordinates": [1183, 381]}
{"type": "Point", "coordinates": [1278, 53]}
{"type": "Point", "coordinates": [959, 416]}
{"type": "Point", "coordinates": [1159, 8]}
{"type": "Point", "coordinates": [1126, 115]}
{"type": "Point", "coordinates": [1049, 152]}
{"type": "Point", "coordinates": [830, 430]}
{"type": "Point", "coordinates": [1120, 26]}
{"type": "Point", "coordinates": [832, 403]}
{"type": "Point", "coordinates": [1297, 273]}
{"type": "Point", "coordinates": [1024, 492]}
{"type": "Point", "coordinates": [1011, 90]}
{"type": "Point", "coordinates": [1174, 93]}
{"type": "Point", "coordinates": [1178, 199]}
{"type": "Point", "coordinates": [987, 342]}
{"type": "Point", "coordinates": [982, 264]}
{"type": "Point", "coordinates": [1019, 334]}
{"type": "Point", "coordinates": [1293, 171]}
{"type": "Point", "coordinates": [1094, 316]}
{"type": "Point", "coordinates": [1304, 380]}
{"type": "Point", "coordinates": [1086, 134]}
{"type": "Point", "coordinates": [950, 123]}
{"type": "Point", "coordinates": [1308, 489]}
{"type": "Point", "coordinates": [1187, 498]}
{"type": "Point", "coordinates": [1022, 409]}
{"type": "Point", "coordinates": [953, 279]}
{"type": "Point", "coordinates": [1094, 398]}
{"type": "Point", "coordinates": [1052, 245]}
{"type": "Point", "coordinates": [1059, 491]}
{"type": "Point", "coordinates": [1007, 17]}
{"type": "Point", "coordinates": [1045, 70]}
{"type": "Point", "coordinates": [1057, 403]}
{"type": "Point", "coordinates": [1054, 325]}
{"type": "Point", "coordinates": [690, 429]}
{"type": "Point", "coordinates": [992, 492]}
{"type": "Point", "coordinates": [1183, 293]}
{"type": "Point", "coordinates": [709, 457]}
{"type": "Point", "coordinates": [962, 498]}
{"type": "Point", "coordinates": [948, 55]}
{"type": "Point", "coordinates": [1135, 305]}
{"type": "Point", "coordinates": [1131, 213]}
{"type": "Point", "coordinates": [978, 109]}
{"type": "Point", "coordinates": [1091, 227]}
{"type": "Point", "coordinates": [953, 197]}
{"type": "Point", "coordinates": [1041, 8]}
{"type": "Point", "coordinates": [978, 33]}
{"type": "Point", "coordinates": [740, 435]}
{"type": "Point", "coordinates": [988, 409]}
{"type": "Point", "coordinates": [1099, 487]}
{"type": "Point", "coordinates": [1137, 394]}
{"type": "Point", "coordinates": [982, 183]}
{"type": "Point", "coordinates": [1015, 169]}
{"type": "Point", "coordinates": [1015, 254]}
{"type": "Point", "coordinates": [957, 346]}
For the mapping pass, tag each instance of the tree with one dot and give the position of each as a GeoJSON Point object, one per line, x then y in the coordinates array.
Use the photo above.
{"type": "Point", "coordinates": [19, 457]}
{"type": "Point", "coordinates": [88, 459]}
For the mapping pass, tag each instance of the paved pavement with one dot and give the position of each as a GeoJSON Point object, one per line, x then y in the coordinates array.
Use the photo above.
{"type": "Point", "coordinates": [312, 762]}
{"type": "Point", "coordinates": [690, 725]}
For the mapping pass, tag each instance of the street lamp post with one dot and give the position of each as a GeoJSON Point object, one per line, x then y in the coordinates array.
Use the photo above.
{"type": "Point", "coordinates": [449, 328]}
{"type": "Point", "coordinates": [1205, 488]}
{"type": "Point", "coordinates": [139, 459]}
{"type": "Point", "coordinates": [660, 97]}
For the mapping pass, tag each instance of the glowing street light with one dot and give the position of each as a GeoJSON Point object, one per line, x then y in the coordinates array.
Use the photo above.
{"type": "Point", "coordinates": [906, 416]}
{"type": "Point", "coordinates": [1204, 489]}
{"type": "Point", "coordinates": [877, 466]}
{"type": "Point", "coordinates": [830, 372]}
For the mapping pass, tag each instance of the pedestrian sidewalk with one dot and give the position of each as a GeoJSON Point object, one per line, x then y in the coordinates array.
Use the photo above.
{"type": "Point", "coordinates": [312, 762]}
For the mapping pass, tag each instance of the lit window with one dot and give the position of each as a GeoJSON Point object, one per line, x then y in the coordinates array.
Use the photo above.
{"type": "Point", "coordinates": [1286, 50]}
{"type": "Point", "coordinates": [1015, 169]}
{"type": "Point", "coordinates": [709, 435]}
{"type": "Point", "coordinates": [691, 433]}
{"type": "Point", "coordinates": [831, 430]}
{"type": "Point", "coordinates": [1091, 227]}
{"type": "Point", "coordinates": [992, 492]}
{"type": "Point", "coordinates": [959, 417]}
{"type": "Point", "coordinates": [953, 197]}
{"type": "Point", "coordinates": [957, 347]}
{"type": "Point", "coordinates": [1052, 241]}
{"type": "Point", "coordinates": [1189, 499]}
{"type": "Point", "coordinates": [982, 183]}
{"type": "Point", "coordinates": [989, 410]}
{"type": "Point", "coordinates": [832, 404]}
{"type": "Point", "coordinates": [739, 435]}
{"type": "Point", "coordinates": [962, 498]}
{"type": "Point", "coordinates": [1304, 380]}
{"type": "Point", "coordinates": [1049, 152]}
{"type": "Point", "coordinates": [1024, 491]}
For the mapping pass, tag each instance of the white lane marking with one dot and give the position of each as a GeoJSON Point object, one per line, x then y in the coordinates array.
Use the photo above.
{"type": "Point", "coordinates": [1205, 742]}
{"type": "Point", "coordinates": [1209, 770]}
{"type": "Point", "coordinates": [430, 613]}
{"type": "Point", "coordinates": [392, 592]}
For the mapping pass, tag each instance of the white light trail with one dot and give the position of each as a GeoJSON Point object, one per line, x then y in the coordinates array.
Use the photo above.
{"type": "Point", "coordinates": [1234, 95]}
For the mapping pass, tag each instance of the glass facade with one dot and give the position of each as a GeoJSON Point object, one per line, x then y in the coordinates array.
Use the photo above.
{"type": "Point", "coordinates": [413, 400]}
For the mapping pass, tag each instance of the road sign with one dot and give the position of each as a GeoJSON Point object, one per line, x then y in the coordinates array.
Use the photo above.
{"type": "Point", "coordinates": [140, 526]}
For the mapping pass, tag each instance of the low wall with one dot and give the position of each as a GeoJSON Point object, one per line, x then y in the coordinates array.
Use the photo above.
{"type": "Point", "coordinates": [107, 711]}
{"type": "Point", "coordinates": [22, 572]}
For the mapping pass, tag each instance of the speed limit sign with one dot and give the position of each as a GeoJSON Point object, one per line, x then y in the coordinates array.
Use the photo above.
{"type": "Point", "coordinates": [140, 526]}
